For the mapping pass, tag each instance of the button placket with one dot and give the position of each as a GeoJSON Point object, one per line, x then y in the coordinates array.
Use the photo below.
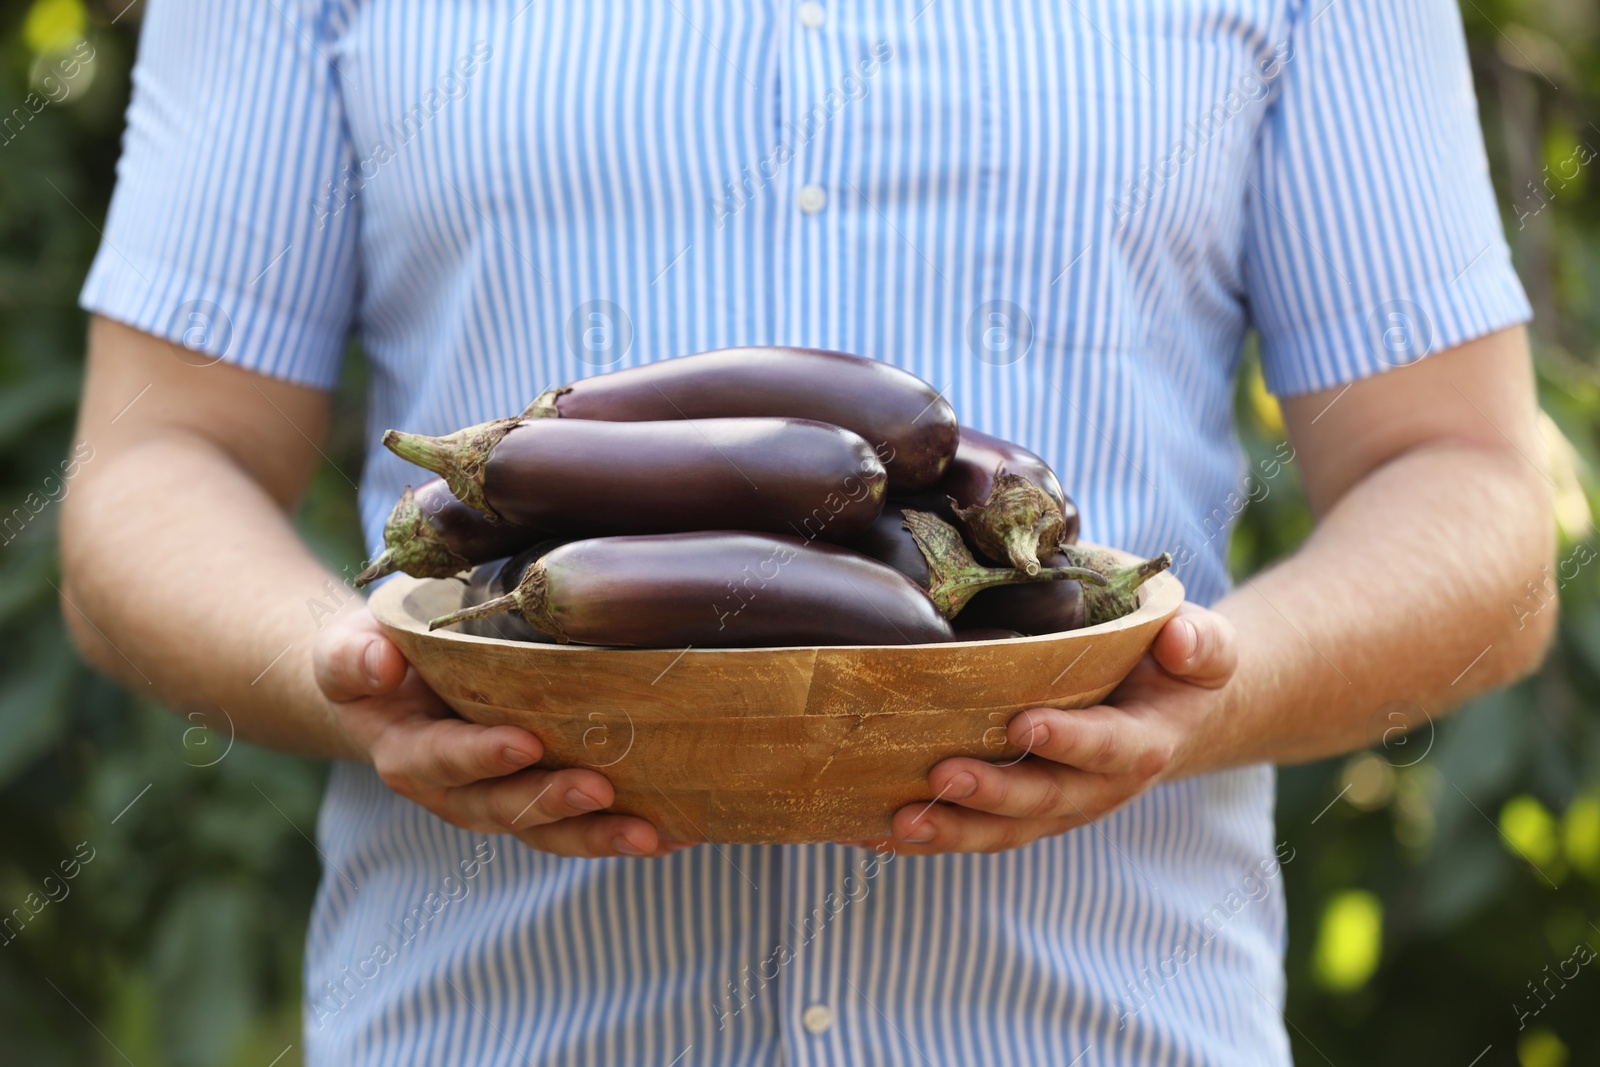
{"type": "Point", "coordinates": [817, 1018]}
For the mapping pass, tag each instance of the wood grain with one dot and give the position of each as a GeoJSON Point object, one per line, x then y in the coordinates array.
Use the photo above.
{"type": "Point", "coordinates": [771, 745]}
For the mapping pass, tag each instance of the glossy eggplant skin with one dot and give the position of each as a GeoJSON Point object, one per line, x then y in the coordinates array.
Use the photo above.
{"type": "Point", "coordinates": [729, 589]}
{"type": "Point", "coordinates": [791, 476]}
{"type": "Point", "coordinates": [912, 429]}
{"type": "Point", "coordinates": [971, 474]}
{"type": "Point", "coordinates": [494, 579]}
{"type": "Point", "coordinates": [1032, 609]}
{"type": "Point", "coordinates": [987, 633]}
{"type": "Point", "coordinates": [431, 534]}
{"type": "Point", "coordinates": [889, 542]}
{"type": "Point", "coordinates": [466, 531]}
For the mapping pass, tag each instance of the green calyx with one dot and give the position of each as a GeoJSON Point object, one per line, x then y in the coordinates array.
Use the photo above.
{"type": "Point", "coordinates": [544, 405]}
{"type": "Point", "coordinates": [412, 546]}
{"type": "Point", "coordinates": [459, 458]}
{"type": "Point", "coordinates": [530, 599]}
{"type": "Point", "coordinates": [1119, 595]}
{"type": "Point", "coordinates": [1019, 522]}
{"type": "Point", "coordinates": [955, 577]}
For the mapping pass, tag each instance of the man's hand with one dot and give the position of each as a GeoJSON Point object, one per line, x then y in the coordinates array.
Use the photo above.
{"type": "Point", "coordinates": [1080, 765]}
{"type": "Point", "coordinates": [474, 777]}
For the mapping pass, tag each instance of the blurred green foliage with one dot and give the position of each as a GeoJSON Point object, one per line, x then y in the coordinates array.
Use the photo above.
{"type": "Point", "coordinates": [1438, 884]}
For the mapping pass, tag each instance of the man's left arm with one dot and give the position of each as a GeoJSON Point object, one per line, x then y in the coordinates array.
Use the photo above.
{"type": "Point", "coordinates": [1433, 510]}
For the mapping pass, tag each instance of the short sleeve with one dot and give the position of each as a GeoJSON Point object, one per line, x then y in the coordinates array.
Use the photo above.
{"type": "Point", "coordinates": [1374, 237]}
{"type": "Point", "coordinates": [227, 231]}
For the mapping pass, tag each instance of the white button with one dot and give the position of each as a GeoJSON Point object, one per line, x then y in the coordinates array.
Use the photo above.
{"type": "Point", "coordinates": [811, 14]}
{"type": "Point", "coordinates": [817, 1018]}
{"type": "Point", "coordinates": [813, 198]}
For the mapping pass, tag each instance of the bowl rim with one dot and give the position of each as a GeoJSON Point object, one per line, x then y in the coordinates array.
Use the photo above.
{"type": "Point", "coordinates": [1160, 596]}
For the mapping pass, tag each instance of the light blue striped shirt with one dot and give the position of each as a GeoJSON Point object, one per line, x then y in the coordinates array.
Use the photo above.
{"type": "Point", "coordinates": [1065, 216]}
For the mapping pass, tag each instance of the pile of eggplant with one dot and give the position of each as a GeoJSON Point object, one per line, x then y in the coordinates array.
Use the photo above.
{"type": "Point", "coordinates": [748, 498]}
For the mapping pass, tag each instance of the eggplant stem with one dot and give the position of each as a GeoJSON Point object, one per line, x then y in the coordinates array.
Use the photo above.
{"type": "Point", "coordinates": [476, 611]}
{"type": "Point", "coordinates": [1022, 546]}
{"type": "Point", "coordinates": [543, 406]}
{"type": "Point", "coordinates": [1121, 595]}
{"type": "Point", "coordinates": [459, 458]}
{"type": "Point", "coordinates": [954, 577]}
{"type": "Point", "coordinates": [384, 564]}
{"type": "Point", "coordinates": [412, 545]}
{"type": "Point", "coordinates": [1079, 574]}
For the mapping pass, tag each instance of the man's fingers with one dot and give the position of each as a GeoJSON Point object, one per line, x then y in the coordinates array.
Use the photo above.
{"type": "Point", "coordinates": [1032, 789]}
{"type": "Point", "coordinates": [597, 836]}
{"type": "Point", "coordinates": [1102, 740]}
{"type": "Point", "coordinates": [522, 801]}
{"type": "Point", "coordinates": [353, 659]}
{"type": "Point", "coordinates": [930, 829]}
{"type": "Point", "coordinates": [448, 753]}
{"type": "Point", "coordinates": [1198, 646]}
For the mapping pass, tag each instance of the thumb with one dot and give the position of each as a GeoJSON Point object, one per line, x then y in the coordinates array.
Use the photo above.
{"type": "Point", "coordinates": [352, 659]}
{"type": "Point", "coordinates": [1197, 646]}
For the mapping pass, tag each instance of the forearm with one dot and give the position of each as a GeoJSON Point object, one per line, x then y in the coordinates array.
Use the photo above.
{"type": "Point", "coordinates": [184, 579]}
{"type": "Point", "coordinates": [1404, 593]}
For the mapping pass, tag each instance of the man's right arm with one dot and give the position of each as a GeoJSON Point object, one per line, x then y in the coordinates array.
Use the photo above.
{"type": "Point", "coordinates": [183, 577]}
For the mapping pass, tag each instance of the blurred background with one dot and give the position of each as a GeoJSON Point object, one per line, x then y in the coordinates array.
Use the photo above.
{"type": "Point", "coordinates": [1445, 886]}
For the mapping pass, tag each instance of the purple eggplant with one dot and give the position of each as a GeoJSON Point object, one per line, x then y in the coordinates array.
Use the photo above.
{"type": "Point", "coordinates": [1008, 501]}
{"type": "Point", "coordinates": [715, 589]}
{"type": "Point", "coordinates": [494, 579]}
{"type": "Point", "coordinates": [986, 633]}
{"type": "Point", "coordinates": [431, 534]}
{"type": "Point", "coordinates": [1055, 607]}
{"type": "Point", "coordinates": [908, 424]}
{"type": "Point", "coordinates": [932, 554]}
{"type": "Point", "coordinates": [576, 477]}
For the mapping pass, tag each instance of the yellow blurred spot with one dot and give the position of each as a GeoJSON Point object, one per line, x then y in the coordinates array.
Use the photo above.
{"type": "Point", "coordinates": [1349, 942]}
{"type": "Point", "coordinates": [1264, 404]}
{"type": "Point", "coordinates": [1572, 510]}
{"type": "Point", "coordinates": [54, 25]}
{"type": "Point", "coordinates": [1368, 781]}
{"type": "Point", "coordinates": [1580, 834]}
{"type": "Point", "coordinates": [1415, 792]}
{"type": "Point", "coordinates": [1530, 830]}
{"type": "Point", "coordinates": [1541, 1048]}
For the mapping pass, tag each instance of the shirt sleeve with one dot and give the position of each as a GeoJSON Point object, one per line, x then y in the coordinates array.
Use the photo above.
{"type": "Point", "coordinates": [1374, 237]}
{"type": "Point", "coordinates": [229, 231]}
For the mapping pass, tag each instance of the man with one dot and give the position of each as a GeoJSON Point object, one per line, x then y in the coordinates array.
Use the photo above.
{"type": "Point", "coordinates": [1066, 217]}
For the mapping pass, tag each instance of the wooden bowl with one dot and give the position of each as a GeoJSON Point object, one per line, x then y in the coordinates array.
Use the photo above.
{"type": "Point", "coordinates": [768, 745]}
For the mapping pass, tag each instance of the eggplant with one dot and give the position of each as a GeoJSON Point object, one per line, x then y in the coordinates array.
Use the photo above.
{"type": "Point", "coordinates": [495, 579]}
{"type": "Point", "coordinates": [1055, 607]}
{"type": "Point", "coordinates": [715, 589]}
{"type": "Point", "coordinates": [1120, 595]}
{"type": "Point", "coordinates": [1008, 500]}
{"type": "Point", "coordinates": [579, 478]}
{"type": "Point", "coordinates": [906, 421]}
{"type": "Point", "coordinates": [987, 633]}
{"type": "Point", "coordinates": [1038, 608]}
{"type": "Point", "coordinates": [930, 552]}
{"type": "Point", "coordinates": [431, 534]}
